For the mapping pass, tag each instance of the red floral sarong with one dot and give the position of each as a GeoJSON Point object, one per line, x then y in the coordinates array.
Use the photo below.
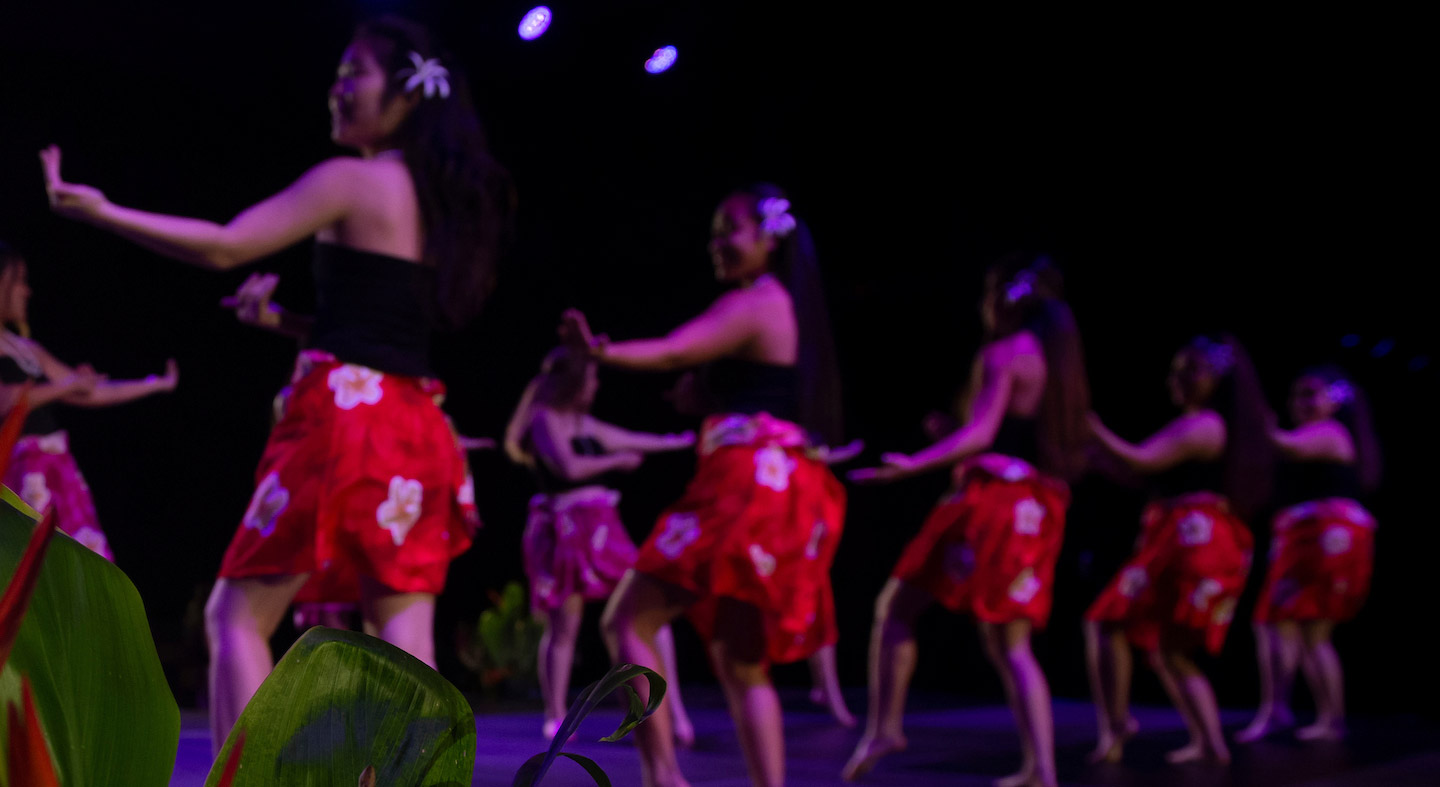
{"type": "Point", "coordinates": [362, 474]}
{"type": "Point", "coordinates": [1185, 577]}
{"type": "Point", "coordinates": [990, 547]}
{"type": "Point", "coordinates": [759, 523]}
{"type": "Point", "coordinates": [1321, 556]}
{"type": "Point", "coordinates": [44, 474]}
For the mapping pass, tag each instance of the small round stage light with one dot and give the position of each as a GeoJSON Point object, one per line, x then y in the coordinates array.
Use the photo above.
{"type": "Point", "coordinates": [535, 23]}
{"type": "Point", "coordinates": [663, 58]}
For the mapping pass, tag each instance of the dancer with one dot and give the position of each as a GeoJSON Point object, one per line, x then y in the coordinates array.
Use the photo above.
{"type": "Point", "coordinates": [747, 549]}
{"type": "Point", "coordinates": [408, 238]}
{"type": "Point", "coordinates": [1209, 467]}
{"type": "Point", "coordinates": [1322, 551]}
{"type": "Point", "coordinates": [42, 470]}
{"type": "Point", "coordinates": [576, 547]}
{"type": "Point", "coordinates": [989, 547]}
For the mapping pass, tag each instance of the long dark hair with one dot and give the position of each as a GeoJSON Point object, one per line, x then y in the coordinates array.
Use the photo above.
{"type": "Point", "coordinates": [796, 265]}
{"type": "Point", "coordinates": [467, 202]}
{"type": "Point", "coordinates": [558, 385]}
{"type": "Point", "coordinates": [1029, 296]}
{"type": "Point", "coordinates": [1354, 415]}
{"type": "Point", "coordinates": [1248, 463]}
{"type": "Point", "coordinates": [10, 258]}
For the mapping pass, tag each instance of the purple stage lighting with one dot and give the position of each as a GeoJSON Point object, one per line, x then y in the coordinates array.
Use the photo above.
{"type": "Point", "coordinates": [663, 58]}
{"type": "Point", "coordinates": [535, 23]}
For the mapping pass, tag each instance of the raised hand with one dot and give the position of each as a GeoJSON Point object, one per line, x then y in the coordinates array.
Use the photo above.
{"type": "Point", "coordinates": [251, 302]}
{"type": "Point", "coordinates": [628, 460]}
{"type": "Point", "coordinates": [70, 200]}
{"type": "Point", "coordinates": [895, 467]}
{"type": "Point", "coordinates": [84, 381]}
{"type": "Point", "coordinates": [171, 378]}
{"type": "Point", "coordinates": [575, 332]}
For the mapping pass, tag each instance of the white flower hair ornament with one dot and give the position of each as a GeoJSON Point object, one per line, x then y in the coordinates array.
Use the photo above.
{"type": "Point", "coordinates": [427, 73]}
{"type": "Point", "coordinates": [1341, 392]}
{"type": "Point", "coordinates": [775, 218]}
{"type": "Point", "coordinates": [1022, 285]}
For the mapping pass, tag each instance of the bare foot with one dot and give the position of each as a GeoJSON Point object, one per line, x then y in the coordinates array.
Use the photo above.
{"type": "Point", "coordinates": [550, 727]}
{"type": "Point", "coordinates": [1322, 731]}
{"type": "Point", "coordinates": [1111, 746]}
{"type": "Point", "coordinates": [834, 704]}
{"type": "Point", "coordinates": [868, 752]}
{"type": "Point", "coordinates": [1263, 725]}
{"type": "Point", "coordinates": [1198, 752]}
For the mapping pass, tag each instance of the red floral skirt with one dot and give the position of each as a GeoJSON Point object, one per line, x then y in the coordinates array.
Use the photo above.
{"type": "Point", "coordinates": [990, 547]}
{"type": "Point", "coordinates": [363, 476]}
{"type": "Point", "coordinates": [44, 474]}
{"type": "Point", "coordinates": [1185, 577]}
{"type": "Point", "coordinates": [1321, 556]}
{"type": "Point", "coordinates": [759, 523]}
{"type": "Point", "coordinates": [575, 544]}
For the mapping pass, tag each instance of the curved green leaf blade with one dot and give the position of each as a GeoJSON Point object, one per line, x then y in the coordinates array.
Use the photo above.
{"type": "Point", "coordinates": [340, 701]}
{"type": "Point", "coordinates": [85, 646]}
{"type": "Point", "coordinates": [618, 677]}
{"type": "Point", "coordinates": [530, 772]}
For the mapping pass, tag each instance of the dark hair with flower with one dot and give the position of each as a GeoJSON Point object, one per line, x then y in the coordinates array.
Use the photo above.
{"type": "Point", "coordinates": [467, 201]}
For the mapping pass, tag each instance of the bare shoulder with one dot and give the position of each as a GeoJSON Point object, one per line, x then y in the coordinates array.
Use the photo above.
{"type": "Point", "coordinates": [762, 298]}
{"type": "Point", "coordinates": [1205, 428]}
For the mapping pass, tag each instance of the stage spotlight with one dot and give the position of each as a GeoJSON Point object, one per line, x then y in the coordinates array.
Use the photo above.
{"type": "Point", "coordinates": [1382, 348]}
{"type": "Point", "coordinates": [535, 23]}
{"type": "Point", "coordinates": [663, 58]}
{"type": "Point", "coordinates": [1419, 362]}
{"type": "Point", "coordinates": [1350, 340]}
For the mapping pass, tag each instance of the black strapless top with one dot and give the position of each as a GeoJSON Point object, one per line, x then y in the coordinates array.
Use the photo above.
{"type": "Point", "coordinates": [552, 483]}
{"type": "Point", "coordinates": [1301, 482]}
{"type": "Point", "coordinates": [1018, 437]}
{"type": "Point", "coordinates": [1187, 477]}
{"type": "Point", "coordinates": [749, 387]}
{"type": "Point", "coordinates": [373, 309]}
{"type": "Point", "coordinates": [41, 420]}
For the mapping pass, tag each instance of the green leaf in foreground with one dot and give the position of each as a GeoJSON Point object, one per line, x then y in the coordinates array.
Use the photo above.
{"type": "Point", "coordinates": [618, 677]}
{"type": "Point", "coordinates": [341, 701]}
{"type": "Point", "coordinates": [85, 646]}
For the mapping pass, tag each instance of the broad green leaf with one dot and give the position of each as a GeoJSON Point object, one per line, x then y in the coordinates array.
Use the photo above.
{"type": "Point", "coordinates": [618, 677]}
{"type": "Point", "coordinates": [85, 646]}
{"type": "Point", "coordinates": [340, 701]}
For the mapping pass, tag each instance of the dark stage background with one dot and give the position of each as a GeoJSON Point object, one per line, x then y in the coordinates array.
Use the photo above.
{"type": "Point", "coordinates": [1193, 170]}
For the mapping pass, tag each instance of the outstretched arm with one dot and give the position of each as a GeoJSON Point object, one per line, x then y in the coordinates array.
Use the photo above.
{"type": "Point", "coordinates": [615, 438]}
{"type": "Point", "coordinates": [1192, 436]}
{"type": "Point", "coordinates": [727, 326]}
{"type": "Point", "coordinates": [552, 446]}
{"type": "Point", "coordinates": [109, 392]}
{"type": "Point", "coordinates": [318, 199]}
{"type": "Point", "coordinates": [1322, 441]}
{"type": "Point", "coordinates": [986, 412]}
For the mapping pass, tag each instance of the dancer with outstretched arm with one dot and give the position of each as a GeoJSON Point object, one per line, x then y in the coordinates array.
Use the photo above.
{"type": "Point", "coordinates": [363, 467]}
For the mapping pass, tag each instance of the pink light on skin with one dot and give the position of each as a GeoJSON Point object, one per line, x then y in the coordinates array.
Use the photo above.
{"type": "Point", "coordinates": [535, 23]}
{"type": "Point", "coordinates": [663, 58]}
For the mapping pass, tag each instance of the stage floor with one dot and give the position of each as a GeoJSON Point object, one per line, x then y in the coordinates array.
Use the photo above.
{"type": "Point", "coordinates": [949, 745]}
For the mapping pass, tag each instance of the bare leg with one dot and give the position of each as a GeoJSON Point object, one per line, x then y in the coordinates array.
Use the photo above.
{"type": "Point", "coordinates": [240, 617]}
{"type": "Point", "coordinates": [825, 691]}
{"type": "Point", "coordinates": [1327, 683]}
{"type": "Point", "coordinates": [1110, 666]}
{"type": "Point", "coordinates": [637, 610]}
{"type": "Point", "coordinates": [665, 646]}
{"type": "Point", "coordinates": [557, 655]}
{"type": "Point", "coordinates": [1008, 646]}
{"type": "Point", "coordinates": [405, 620]}
{"type": "Point", "coordinates": [1196, 700]}
{"type": "Point", "coordinates": [1171, 683]}
{"type": "Point", "coordinates": [892, 664]}
{"type": "Point", "coordinates": [1277, 653]}
{"type": "Point", "coordinates": [738, 652]}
